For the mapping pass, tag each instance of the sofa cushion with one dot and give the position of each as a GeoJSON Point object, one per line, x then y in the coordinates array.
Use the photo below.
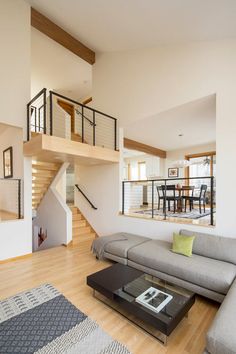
{"type": "Point", "coordinates": [182, 244]}
{"type": "Point", "coordinates": [206, 272]}
{"type": "Point", "coordinates": [221, 338]}
{"type": "Point", "coordinates": [212, 246]}
{"type": "Point", "coordinates": [121, 248]}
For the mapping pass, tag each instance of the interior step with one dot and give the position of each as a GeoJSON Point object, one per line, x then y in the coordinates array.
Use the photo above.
{"type": "Point", "coordinates": [39, 165]}
{"type": "Point", "coordinates": [81, 230]}
{"type": "Point", "coordinates": [43, 174]}
{"type": "Point", "coordinates": [74, 210]}
{"type": "Point", "coordinates": [79, 223]}
{"type": "Point", "coordinates": [91, 236]}
{"type": "Point", "coordinates": [77, 217]}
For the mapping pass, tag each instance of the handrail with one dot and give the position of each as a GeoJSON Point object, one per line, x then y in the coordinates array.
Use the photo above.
{"type": "Point", "coordinates": [37, 96]}
{"type": "Point", "coordinates": [81, 104]}
{"type": "Point", "coordinates": [164, 182]}
{"type": "Point", "coordinates": [91, 123]}
{"type": "Point", "coordinates": [167, 179]}
{"type": "Point", "coordinates": [76, 185]}
{"type": "Point", "coordinates": [44, 120]}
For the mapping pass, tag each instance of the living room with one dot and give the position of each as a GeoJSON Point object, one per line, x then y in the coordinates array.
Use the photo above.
{"type": "Point", "coordinates": [163, 56]}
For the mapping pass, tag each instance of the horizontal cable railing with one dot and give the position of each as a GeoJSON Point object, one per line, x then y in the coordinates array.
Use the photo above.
{"type": "Point", "coordinates": [84, 195]}
{"type": "Point", "coordinates": [11, 200]}
{"type": "Point", "coordinates": [64, 117]}
{"type": "Point", "coordinates": [190, 198]}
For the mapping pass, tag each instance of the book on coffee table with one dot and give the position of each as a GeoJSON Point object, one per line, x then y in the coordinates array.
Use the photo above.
{"type": "Point", "coordinates": [154, 299]}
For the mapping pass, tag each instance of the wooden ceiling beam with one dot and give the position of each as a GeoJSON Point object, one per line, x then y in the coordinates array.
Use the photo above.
{"type": "Point", "coordinates": [50, 29]}
{"type": "Point", "coordinates": [88, 100]}
{"type": "Point", "coordinates": [147, 149]}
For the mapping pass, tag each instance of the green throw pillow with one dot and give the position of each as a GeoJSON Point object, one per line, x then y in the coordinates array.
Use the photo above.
{"type": "Point", "coordinates": [183, 244]}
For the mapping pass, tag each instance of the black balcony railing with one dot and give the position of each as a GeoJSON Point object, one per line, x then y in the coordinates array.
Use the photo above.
{"type": "Point", "coordinates": [168, 199]}
{"type": "Point", "coordinates": [10, 199]}
{"type": "Point", "coordinates": [50, 115]}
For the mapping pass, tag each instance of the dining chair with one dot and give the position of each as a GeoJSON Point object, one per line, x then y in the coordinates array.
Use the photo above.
{"type": "Point", "coordinates": [201, 199]}
{"type": "Point", "coordinates": [187, 191]}
{"type": "Point", "coordinates": [170, 194]}
{"type": "Point", "coordinates": [160, 196]}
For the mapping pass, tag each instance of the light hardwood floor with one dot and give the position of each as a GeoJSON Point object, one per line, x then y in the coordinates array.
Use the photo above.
{"type": "Point", "coordinates": [67, 268]}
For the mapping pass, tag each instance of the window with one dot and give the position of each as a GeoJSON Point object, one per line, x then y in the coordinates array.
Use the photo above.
{"type": "Point", "coordinates": [204, 165]}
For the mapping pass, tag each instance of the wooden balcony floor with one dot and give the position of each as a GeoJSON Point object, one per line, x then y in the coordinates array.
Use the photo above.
{"type": "Point", "coordinates": [53, 149]}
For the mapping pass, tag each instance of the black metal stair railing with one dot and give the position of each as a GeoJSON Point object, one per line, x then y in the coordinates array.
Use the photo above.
{"type": "Point", "coordinates": [84, 195]}
{"type": "Point", "coordinates": [88, 125]}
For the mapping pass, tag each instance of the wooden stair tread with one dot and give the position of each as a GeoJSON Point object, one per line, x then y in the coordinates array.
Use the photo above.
{"type": "Point", "coordinates": [81, 229]}
{"type": "Point", "coordinates": [79, 223]}
{"type": "Point", "coordinates": [43, 174]}
{"type": "Point", "coordinates": [39, 165]}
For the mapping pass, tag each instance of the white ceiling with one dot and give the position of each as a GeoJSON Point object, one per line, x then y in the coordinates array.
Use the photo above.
{"type": "Point", "coordinates": [195, 120]}
{"type": "Point", "coordinates": [54, 67]}
{"type": "Point", "coordinates": [116, 25]}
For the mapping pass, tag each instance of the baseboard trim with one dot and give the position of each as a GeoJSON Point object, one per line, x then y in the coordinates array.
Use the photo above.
{"type": "Point", "coordinates": [18, 258]}
{"type": "Point", "coordinates": [68, 244]}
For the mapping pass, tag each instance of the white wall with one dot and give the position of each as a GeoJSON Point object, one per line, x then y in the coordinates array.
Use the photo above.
{"type": "Point", "coordinates": [11, 136]}
{"type": "Point", "coordinates": [14, 61]}
{"type": "Point", "coordinates": [15, 236]}
{"type": "Point", "coordinates": [156, 80]}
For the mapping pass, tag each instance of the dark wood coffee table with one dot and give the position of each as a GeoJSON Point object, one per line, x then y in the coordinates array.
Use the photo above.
{"type": "Point", "coordinates": [118, 286]}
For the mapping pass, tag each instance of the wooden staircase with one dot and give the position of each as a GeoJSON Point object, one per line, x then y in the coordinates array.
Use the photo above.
{"type": "Point", "coordinates": [43, 174]}
{"type": "Point", "coordinates": [82, 231]}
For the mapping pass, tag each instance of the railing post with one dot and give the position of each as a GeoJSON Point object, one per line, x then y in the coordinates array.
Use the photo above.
{"type": "Point", "coordinates": [45, 111]}
{"type": "Point", "coordinates": [115, 136]}
{"type": "Point", "coordinates": [165, 202]}
{"type": "Point", "coordinates": [94, 129]}
{"type": "Point", "coordinates": [35, 119]}
{"type": "Point", "coordinates": [28, 122]}
{"type": "Point", "coordinates": [123, 197]}
{"type": "Point", "coordinates": [212, 192]}
{"type": "Point", "coordinates": [51, 113]}
{"type": "Point", "coordinates": [19, 198]}
{"type": "Point", "coordinates": [152, 199]}
{"type": "Point", "coordinates": [82, 124]}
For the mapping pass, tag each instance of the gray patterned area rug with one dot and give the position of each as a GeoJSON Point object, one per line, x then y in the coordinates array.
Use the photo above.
{"type": "Point", "coordinates": [43, 321]}
{"type": "Point", "coordinates": [194, 214]}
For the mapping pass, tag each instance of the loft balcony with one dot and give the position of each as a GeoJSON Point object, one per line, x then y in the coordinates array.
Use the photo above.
{"type": "Point", "coordinates": [62, 129]}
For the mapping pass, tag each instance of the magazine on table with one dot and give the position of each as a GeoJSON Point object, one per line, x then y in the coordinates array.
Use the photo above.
{"type": "Point", "coordinates": [154, 299]}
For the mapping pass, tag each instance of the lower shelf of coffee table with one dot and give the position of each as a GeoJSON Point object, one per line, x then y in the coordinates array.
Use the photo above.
{"type": "Point", "coordinates": [161, 337]}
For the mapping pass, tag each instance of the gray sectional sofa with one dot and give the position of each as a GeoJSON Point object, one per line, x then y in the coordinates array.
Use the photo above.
{"type": "Point", "coordinates": [210, 272]}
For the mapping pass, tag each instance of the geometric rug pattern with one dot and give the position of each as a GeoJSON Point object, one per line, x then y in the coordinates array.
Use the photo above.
{"type": "Point", "coordinates": [43, 321]}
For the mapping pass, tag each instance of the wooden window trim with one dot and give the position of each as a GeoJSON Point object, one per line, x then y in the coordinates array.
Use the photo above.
{"type": "Point", "coordinates": [211, 154]}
